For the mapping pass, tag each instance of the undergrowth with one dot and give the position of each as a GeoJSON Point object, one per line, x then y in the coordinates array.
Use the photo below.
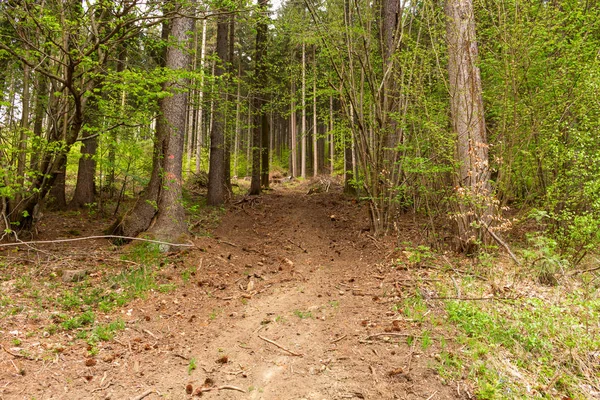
{"type": "Point", "coordinates": [520, 339]}
{"type": "Point", "coordinates": [74, 307]}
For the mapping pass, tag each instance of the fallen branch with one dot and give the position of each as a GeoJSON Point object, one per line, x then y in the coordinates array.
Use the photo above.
{"type": "Point", "coordinates": [280, 346]}
{"type": "Point", "coordinates": [297, 245]}
{"type": "Point", "coordinates": [226, 242]}
{"type": "Point", "coordinates": [17, 355]}
{"type": "Point", "coordinates": [584, 271]}
{"type": "Point", "coordinates": [396, 334]}
{"type": "Point", "coordinates": [389, 334]}
{"type": "Point", "coordinates": [431, 397]}
{"type": "Point", "coordinates": [338, 339]}
{"type": "Point", "coordinates": [502, 243]}
{"type": "Point", "coordinates": [143, 395]}
{"type": "Point", "coordinates": [92, 238]}
{"type": "Point", "coordinates": [224, 387]}
{"type": "Point", "coordinates": [470, 298]}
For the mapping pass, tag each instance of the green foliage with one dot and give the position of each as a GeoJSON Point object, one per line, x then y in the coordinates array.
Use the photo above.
{"type": "Point", "coordinates": [303, 314]}
{"type": "Point", "coordinates": [106, 332]}
{"type": "Point", "coordinates": [86, 318]}
{"type": "Point", "coordinates": [544, 258]}
{"type": "Point", "coordinates": [192, 365]}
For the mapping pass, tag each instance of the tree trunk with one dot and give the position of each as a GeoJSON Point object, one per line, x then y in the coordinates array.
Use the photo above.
{"type": "Point", "coordinates": [261, 125]}
{"type": "Point", "coordinates": [293, 131]}
{"type": "Point", "coordinates": [303, 131]}
{"type": "Point", "coordinates": [228, 112]}
{"type": "Point", "coordinates": [41, 102]}
{"type": "Point", "coordinates": [238, 106]}
{"type": "Point", "coordinates": [315, 130]}
{"type": "Point", "coordinates": [57, 192]}
{"type": "Point", "coordinates": [191, 116]}
{"type": "Point", "coordinates": [331, 137]}
{"type": "Point", "coordinates": [170, 221]}
{"type": "Point", "coordinates": [200, 99]}
{"type": "Point", "coordinates": [85, 190]}
{"type": "Point", "coordinates": [139, 218]}
{"type": "Point", "coordinates": [466, 105]}
{"type": "Point", "coordinates": [24, 131]}
{"type": "Point", "coordinates": [216, 173]}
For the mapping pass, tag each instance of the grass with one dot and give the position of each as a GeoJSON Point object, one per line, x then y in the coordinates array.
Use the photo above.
{"type": "Point", "coordinates": [192, 365]}
{"type": "Point", "coordinates": [532, 347]}
{"type": "Point", "coordinates": [303, 314]}
{"type": "Point", "coordinates": [77, 305]}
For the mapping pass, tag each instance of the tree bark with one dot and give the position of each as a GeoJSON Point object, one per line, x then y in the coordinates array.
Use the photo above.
{"type": "Point", "coordinates": [293, 131]}
{"type": "Point", "coordinates": [261, 124]}
{"type": "Point", "coordinates": [170, 220]}
{"type": "Point", "coordinates": [199, 124]}
{"type": "Point", "coordinates": [315, 130]}
{"type": "Point", "coordinates": [230, 125]}
{"type": "Point", "coordinates": [331, 137]}
{"type": "Point", "coordinates": [466, 105]}
{"type": "Point", "coordinates": [139, 218]}
{"type": "Point", "coordinates": [216, 173]}
{"type": "Point", "coordinates": [85, 189]}
{"type": "Point", "coordinates": [303, 130]}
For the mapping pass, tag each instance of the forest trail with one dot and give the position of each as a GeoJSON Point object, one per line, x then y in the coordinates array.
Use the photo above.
{"type": "Point", "coordinates": [298, 270]}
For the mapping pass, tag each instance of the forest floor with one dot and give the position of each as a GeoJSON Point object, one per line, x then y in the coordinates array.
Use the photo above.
{"type": "Point", "coordinates": [284, 296]}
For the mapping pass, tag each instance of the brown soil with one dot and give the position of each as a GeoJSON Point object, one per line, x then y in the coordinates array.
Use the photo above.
{"type": "Point", "coordinates": [282, 303]}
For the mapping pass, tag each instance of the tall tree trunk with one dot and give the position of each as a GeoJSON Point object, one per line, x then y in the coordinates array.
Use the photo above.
{"type": "Point", "coordinates": [230, 125]}
{"type": "Point", "coordinates": [331, 137]}
{"type": "Point", "coordinates": [199, 124]}
{"type": "Point", "coordinates": [293, 131]}
{"type": "Point", "coordinates": [23, 134]}
{"type": "Point", "coordinates": [170, 220]}
{"type": "Point", "coordinates": [264, 141]}
{"type": "Point", "coordinates": [349, 187]}
{"type": "Point", "coordinates": [261, 125]}
{"type": "Point", "coordinates": [303, 130]}
{"type": "Point", "coordinates": [112, 134]}
{"type": "Point", "coordinates": [466, 105]}
{"type": "Point", "coordinates": [216, 173]}
{"type": "Point", "coordinates": [238, 106]}
{"type": "Point", "coordinates": [249, 137]}
{"type": "Point", "coordinates": [191, 116]}
{"type": "Point", "coordinates": [139, 218]}
{"type": "Point", "coordinates": [315, 130]}
{"type": "Point", "coordinates": [41, 102]}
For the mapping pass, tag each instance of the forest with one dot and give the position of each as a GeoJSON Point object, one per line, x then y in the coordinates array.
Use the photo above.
{"type": "Point", "coordinates": [301, 199]}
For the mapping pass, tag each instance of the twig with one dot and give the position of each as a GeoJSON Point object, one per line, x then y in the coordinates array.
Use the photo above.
{"type": "Point", "coordinates": [374, 241]}
{"type": "Point", "coordinates": [503, 244]}
{"type": "Point", "coordinates": [145, 394]}
{"type": "Point", "coordinates": [280, 346]}
{"type": "Point", "coordinates": [469, 298]}
{"type": "Point", "coordinates": [224, 387]}
{"type": "Point", "coordinates": [431, 397]}
{"type": "Point", "coordinates": [297, 245]}
{"type": "Point", "coordinates": [17, 355]}
{"type": "Point", "coordinates": [15, 366]}
{"type": "Point", "coordinates": [226, 242]}
{"type": "Point", "coordinates": [389, 334]}
{"type": "Point", "coordinates": [94, 237]}
{"type": "Point", "coordinates": [584, 271]}
{"type": "Point", "coordinates": [149, 333]}
{"type": "Point", "coordinates": [229, 387]}
{"type": "Point", "coordinates": [338, 339]}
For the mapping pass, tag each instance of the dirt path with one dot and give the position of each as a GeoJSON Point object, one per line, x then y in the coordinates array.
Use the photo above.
{"type": "Point", "coordinates": [298, 270]}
